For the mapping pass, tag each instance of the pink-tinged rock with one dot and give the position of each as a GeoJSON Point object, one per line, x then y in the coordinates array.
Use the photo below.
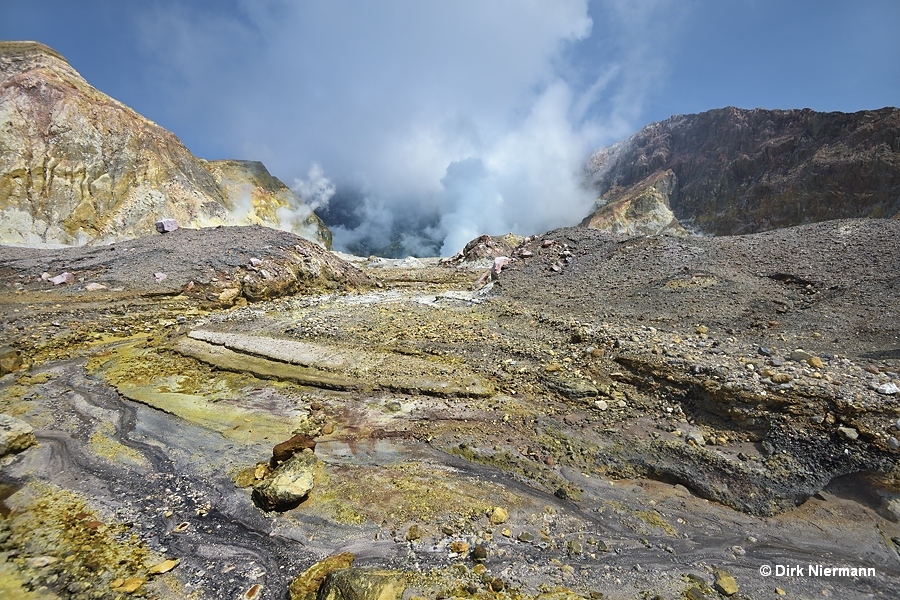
{"type": "Point", "coordinates": [160, 277]}
{"type": "Point", "coordinates": [547, 243]}
{"type": "Point", "coordinates": [45, 276]}
{"type": "Point", "coordinates": [94, 286]}
{"type": "Point", "coordinates": [62, 278]}
{"type": "Point", "coordinates": [499, 263]}
{"type": "Point", "coordinates": [255, 262]}
{"type": "Point", "coordinates": [166, 225]}
{"type": "Point", "coordinates": [526, 253]}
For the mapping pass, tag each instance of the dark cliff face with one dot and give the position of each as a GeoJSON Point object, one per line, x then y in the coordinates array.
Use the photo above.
{"type": "Point", "coordinates": [743, 171]}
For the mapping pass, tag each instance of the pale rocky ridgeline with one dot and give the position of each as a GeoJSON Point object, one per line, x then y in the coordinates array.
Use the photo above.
{"type": "Point", "coordinates": [77, 166]}
{"type": "Point", "coordinates": [731, 171]}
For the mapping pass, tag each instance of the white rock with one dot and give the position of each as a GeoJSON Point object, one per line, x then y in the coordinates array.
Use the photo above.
{"type": "Point", "coordinates": [66, 278]}
{"type": "Point", "coordinates": [166, 225]}
{"type": "Point", "coordinates": [888, 389]}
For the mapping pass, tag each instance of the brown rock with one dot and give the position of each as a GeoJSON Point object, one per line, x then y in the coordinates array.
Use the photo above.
{"type": "Point", "coordinates": [286, 449]}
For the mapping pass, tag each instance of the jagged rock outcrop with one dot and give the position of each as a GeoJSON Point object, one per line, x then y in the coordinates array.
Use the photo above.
{"type": "Point", "coordinates": [640, 209]}
{"type": "Point", "coordinates": [737, 171]}
{"type": "Point", "coordinates": [76, 166]}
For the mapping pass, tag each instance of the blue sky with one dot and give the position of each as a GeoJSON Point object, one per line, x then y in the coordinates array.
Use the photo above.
{"type": "Point", "coordinates": [450, 119]}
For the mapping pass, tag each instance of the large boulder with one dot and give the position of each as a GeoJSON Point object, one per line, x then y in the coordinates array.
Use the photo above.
{"type": "Point", "coordinates": [306, 585]}
{"type": "Point", "coordinates": [362, 584]}
{"type": "Point", "coordinates": [289, 484]}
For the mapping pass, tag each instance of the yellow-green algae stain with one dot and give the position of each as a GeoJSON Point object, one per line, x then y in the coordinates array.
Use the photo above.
{"type": "Point", "coordinates": [191, 391]}
{"type": "Point", "coordinates": [403, 493]}
{"type": "Point", "coordinates": [54, 531]}
{"type": "Point", "coordinates": [103, 445]}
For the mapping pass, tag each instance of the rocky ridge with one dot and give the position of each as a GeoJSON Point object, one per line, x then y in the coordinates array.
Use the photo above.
{"type": "Point", "coordinates": [79, 167]}
{"type": "Point", "coordinates": [732, 171]}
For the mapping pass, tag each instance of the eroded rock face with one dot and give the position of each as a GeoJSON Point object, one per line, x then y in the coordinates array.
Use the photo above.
{"type": "Point", "coordinates": [78, 167]}
{"type": "Point", "coordinates": [743, 171]}
{"type": "Point", "coordinates": [641, 209]}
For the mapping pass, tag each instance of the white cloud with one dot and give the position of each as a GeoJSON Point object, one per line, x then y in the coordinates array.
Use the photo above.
{"type": "Point", "coordinates": [469, 110]}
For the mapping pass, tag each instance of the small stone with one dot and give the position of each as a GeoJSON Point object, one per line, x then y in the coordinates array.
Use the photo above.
{"type": "Point", "coordinates": [725, 583]}
{"type": "Point", "coordinates": [872, 369]}
{"type": "Point", "coordinates": [764, 351]}
{"type": "Point", "coordinates": [696, 438]}
{"type": "Point", "coordinates": [164, 567]}
{"type": "Point", "coordinates": [781, 378]}
{"type": "Point", "coordinates": [497, 585]}
{"type": "Point", "coordinates": [288, 448]}
{"type": "Point", "coordinates": [255, 261]}
{"type": "Point", "coordinates": [848, 433]}
{"type": "Point", "coordinates": [94, 286]}
{"type": "Point", "coordinates": [413, 534]}
{"type": "Point", "coordinates": [893, 443]}
{"type": "Point", "coordinates": [41, 561]}
{"type": "Point", "coordinates": [776, 361]}
{"type": "Point", "coordinates": [160, 277]}
{"type": "Point", "coordinates": [888, 389]}
{"type": "Point", "coordinates": [695, 593]}
{"type": "Point", "coordinates": [815, 362]}
{"type": "Point", "coordinates": [166, 225]}
{"type": "Point", "coordinates": [601, 404]}
{"type": "Point", "coordinates": [229, 295]}
{"type": "Point", "coordinates": [447, 530]}
{"type": "Point", "coordinates": [499, 515]}
{"type": "Point", "coordinates": [127, 586]}
{"type": "Point", "coordinates": [328, 428]}
{"type": "Point", "coordinates": [780, 591]}
{"type": "Point", "coordinates": [479, 553]}
{"type": "Point", "coordinates": [702, 330]}
{"type": "Point", "coordinates": [800, 355]}
{"type": "Point", "coordinates": [253, 592]}
{"type": "Point", "coordinates": [574, 547]}
{"type": "Point", "coordinates": [897, 424]}
{"type": "Point", "coordinates": [525, 536]}
{"type": "Point", "coordinates": [10, 360]}
{"type": "Point", "coordinates": [63, 278]}
{"type": "Point", "coordinates": [459, 547]}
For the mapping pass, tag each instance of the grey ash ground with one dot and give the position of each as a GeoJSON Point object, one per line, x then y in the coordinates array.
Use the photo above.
{"type": "Point", "coordinates": [639, 408]}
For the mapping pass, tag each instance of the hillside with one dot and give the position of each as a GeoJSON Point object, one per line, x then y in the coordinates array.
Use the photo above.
{"type": "Point", "coordinates": [77, 166]}
{"type": "Point", "coordinates": [731, 171]}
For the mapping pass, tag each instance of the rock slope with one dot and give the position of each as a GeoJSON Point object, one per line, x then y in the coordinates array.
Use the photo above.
{"type": "Point", "coordinates": [731, 171]}
{"type": "Point", "coordinates": [76, 166]}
